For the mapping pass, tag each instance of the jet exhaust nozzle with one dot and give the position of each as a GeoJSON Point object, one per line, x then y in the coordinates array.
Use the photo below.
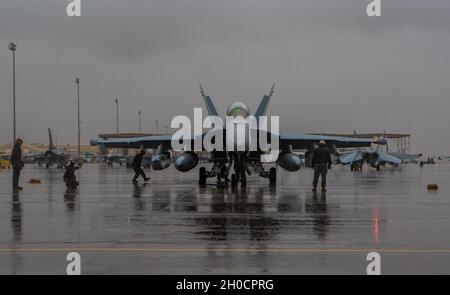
{"type": "Point", "coordinates": [186, 161]}
{"type": "Point", "coordinates": [289, 161]}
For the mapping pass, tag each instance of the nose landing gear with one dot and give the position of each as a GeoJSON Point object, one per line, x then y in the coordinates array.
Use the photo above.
{"type": "Point", "coordinates": [273, 176]}
{"type": "Point", "coordinates": [203, 176]}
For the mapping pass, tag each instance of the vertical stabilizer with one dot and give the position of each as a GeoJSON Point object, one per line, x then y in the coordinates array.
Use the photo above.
{"type": "Point", "coordinates": [51, 146]}
{"type": "Point", "coordinates": [209, 103]}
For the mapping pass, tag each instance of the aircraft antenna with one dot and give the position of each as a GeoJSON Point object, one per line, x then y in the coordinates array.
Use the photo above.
{"type": "Point", "coordinates": [271, 90]}
{"type": "Point", "coordinates": [201, 90]}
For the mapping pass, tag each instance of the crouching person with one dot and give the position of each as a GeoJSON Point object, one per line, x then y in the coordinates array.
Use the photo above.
{"type": "Point", "coordinates": [69, 176]}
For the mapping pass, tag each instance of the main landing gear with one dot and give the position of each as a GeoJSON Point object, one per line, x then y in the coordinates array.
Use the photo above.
{"type": "Point", "coordinates": [235, 178]}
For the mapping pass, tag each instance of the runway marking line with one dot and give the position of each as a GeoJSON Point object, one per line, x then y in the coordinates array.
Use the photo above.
{"type": "Point", "coordinates": [204, 250]}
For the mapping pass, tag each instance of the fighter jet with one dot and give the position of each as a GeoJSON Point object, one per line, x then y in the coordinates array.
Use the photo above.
{"type": "Point", "coordinates": [115, 157]}
{"type": "Point", "coordinates": [53, 155]}
{"type": "Point", "coordinates": [375, 158]}
{"type": "Point", "coordinates": [236, 151]}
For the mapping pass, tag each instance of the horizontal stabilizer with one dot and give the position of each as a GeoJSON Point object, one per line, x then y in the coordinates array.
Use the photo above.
{"type": "Point", "coordinates": [383, 157]}
{"type": "Point", "coordinates": [351, 158]}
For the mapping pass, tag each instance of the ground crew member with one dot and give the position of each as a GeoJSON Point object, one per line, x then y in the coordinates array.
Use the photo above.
{"type": "Point", "coordinates": [321, 162]}
{"type": "Point", "coordinates": [137, 163]}
{"type": "Point", "coordinates": [17, 164]}
{"type": "Point", "coordinates": [69, 176]}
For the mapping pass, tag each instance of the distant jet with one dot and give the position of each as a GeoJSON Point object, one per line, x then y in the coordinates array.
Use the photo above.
{"type": "Point", "coordinates": [236, 151]}
{"type": "Point", "coordinates": [53, 155]}
{"type": "Point", "coordinates": [88, 157]}
{"type": "Point", "coordinates": [115, 157]}
{"type": "Point", "coordinates": [375, 158]}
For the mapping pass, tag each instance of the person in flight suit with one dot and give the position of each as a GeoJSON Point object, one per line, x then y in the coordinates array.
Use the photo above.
{"type": "Point", "coordinates": [321, 162]}
{"type": "Point", "coordinates": [17, 163]}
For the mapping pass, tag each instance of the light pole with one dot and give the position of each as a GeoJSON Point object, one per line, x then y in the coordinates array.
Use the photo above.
{"type": "Point", "coordinates": [140, 121]}
{"type": "Point", "coordinates": [117, 116]}
{"type": "Point", "coordinates": [12, 47]}
{"type": "Point", "coordinates": [77, 81]}
{"type": "Point", "coordinates": [157, 128]}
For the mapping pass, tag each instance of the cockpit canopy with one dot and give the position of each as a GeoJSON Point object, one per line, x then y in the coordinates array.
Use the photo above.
{"type": "Point", "coordinates": [238, 109]}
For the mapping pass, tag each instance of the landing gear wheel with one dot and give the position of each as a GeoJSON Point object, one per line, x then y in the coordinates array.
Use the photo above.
{"type": "Point", "coordinates": [202, 178]}
{"type": "Point", "coordinates": [243, 181]}
{"type": "Point", "coordinates": [233, 180]}
{"type": "Point", "coordinates": [273, 176]}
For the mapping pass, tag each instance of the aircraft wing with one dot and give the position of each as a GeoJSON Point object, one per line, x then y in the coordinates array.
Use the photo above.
{"type": "Point", "coordinates": [406, 157]}
{"type": "Point", "coordinates": [351, 158]}
{"type": "Point", "coordinates": [305, 141]}
{"type": "Point", "coordinates": [388, 158]}
{"type": "Point", "coordinates": [148, 142]}
{"type": "Point", "coordinates": [296, 141]}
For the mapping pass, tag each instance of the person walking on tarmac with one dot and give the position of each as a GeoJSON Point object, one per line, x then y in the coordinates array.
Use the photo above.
{"type": "Point", "coordinates": [17, 164]}
{"type": "Point", "coordinates": [137, 167]}
{"type": "Point", "coordinates": [321, 162]}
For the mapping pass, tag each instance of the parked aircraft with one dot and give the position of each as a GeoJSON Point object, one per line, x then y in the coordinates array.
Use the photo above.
{"type": "Point", "coordinates": [115, 157]}
{"type": "Point", "coordinates": [53, 155]}
{"type": "Point", "coordinates": [375, 158]}
{"type": "Point", "coordinates": [243, 161]}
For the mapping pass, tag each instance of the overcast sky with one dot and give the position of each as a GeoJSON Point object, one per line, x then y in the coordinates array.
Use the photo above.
{"type": "Point", "coordinates": [335, 69]}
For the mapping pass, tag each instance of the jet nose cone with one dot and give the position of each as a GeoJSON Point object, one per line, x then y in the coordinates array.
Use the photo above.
{"type": "Point", "coordinates": [93, 142]}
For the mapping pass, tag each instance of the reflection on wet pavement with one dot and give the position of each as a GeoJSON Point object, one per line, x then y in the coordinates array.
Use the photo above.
{"type": "Point", "coordinates": [227, 230]}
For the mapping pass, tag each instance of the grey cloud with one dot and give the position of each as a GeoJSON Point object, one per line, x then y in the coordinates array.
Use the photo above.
{"type": "Point", "coordinates": [335, 68]}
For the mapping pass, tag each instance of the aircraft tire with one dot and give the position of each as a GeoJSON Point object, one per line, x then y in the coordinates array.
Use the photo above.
{"type": "Point", "coordinates": [273, 176]}
{"type": "Point", "coordinates": [202, 178]}
{"type": "Point", "coordinates": [233, 180]}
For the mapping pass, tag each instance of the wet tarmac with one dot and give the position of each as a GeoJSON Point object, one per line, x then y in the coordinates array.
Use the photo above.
{"type": "Point", "coordinates": [172, 226]}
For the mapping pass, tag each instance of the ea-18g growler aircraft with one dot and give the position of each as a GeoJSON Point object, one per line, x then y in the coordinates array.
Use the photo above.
{"type": "Point", "coordinates": [244, 144]}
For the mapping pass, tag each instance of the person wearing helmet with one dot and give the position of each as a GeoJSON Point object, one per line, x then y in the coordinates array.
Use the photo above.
{"type": "Point", "coordinates": [17, 163]}
{"type": "Point", "coordinates": [137, 167]}
{"type": "Point", "coordinates": [321, 162]}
